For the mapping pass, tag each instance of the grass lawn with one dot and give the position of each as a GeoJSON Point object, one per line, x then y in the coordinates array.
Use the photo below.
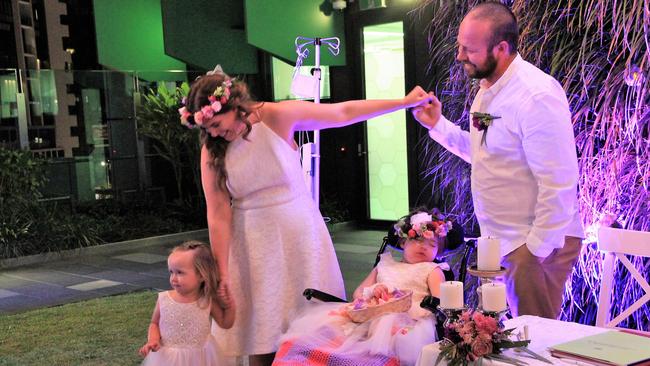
{"type": "Point", "coordinates": [104, 331]}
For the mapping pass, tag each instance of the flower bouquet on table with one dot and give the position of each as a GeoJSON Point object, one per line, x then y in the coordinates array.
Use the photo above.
{"type": "Point", "coordinates": [475, 336]}
{"type": "Point", "coordinates": [377, 300]}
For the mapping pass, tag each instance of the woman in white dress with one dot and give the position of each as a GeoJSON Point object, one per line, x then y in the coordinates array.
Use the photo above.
{"type": "Point", "coordinates": [268, 238]}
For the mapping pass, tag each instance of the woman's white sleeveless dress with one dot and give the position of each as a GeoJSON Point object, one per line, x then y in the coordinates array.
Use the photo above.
{"type": "Point", "coordinates": [280, 244]}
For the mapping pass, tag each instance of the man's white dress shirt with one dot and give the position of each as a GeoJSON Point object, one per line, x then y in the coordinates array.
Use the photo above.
{"type": "Point", "coordinates": [525, 175]}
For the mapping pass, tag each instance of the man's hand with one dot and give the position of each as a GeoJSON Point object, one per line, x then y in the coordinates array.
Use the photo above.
{"type": "Point", "coordinates": [428, 114]}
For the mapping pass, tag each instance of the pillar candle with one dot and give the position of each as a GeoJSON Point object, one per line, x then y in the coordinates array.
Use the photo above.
{"type": "Point", "coordinates": [494, 296]}
{"type": "Point", "coordinates": [451, 295]}
{"type": "Point", "coordinates": [489, 254]}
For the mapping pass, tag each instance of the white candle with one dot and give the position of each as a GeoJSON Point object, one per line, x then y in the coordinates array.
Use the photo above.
{"type": "Point", "coordinates": [451, 295]}
{"type": "Point", "coordinates": [489, 254]}
{"type": "Point", "coordinates": [494, 296]}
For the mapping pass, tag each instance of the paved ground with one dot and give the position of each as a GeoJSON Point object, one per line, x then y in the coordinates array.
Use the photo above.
{"type": "Point", "coordinates": [143, 267]}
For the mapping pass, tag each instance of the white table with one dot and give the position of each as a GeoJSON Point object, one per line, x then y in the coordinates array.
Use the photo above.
{"type": "Point", "coordinates": [543, 333]}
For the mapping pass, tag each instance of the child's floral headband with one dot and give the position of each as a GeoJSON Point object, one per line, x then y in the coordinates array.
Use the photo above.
{"type": "Point", "coordinates": [216, 100]}
{"type": "Point", "coordinates": [422, 225]}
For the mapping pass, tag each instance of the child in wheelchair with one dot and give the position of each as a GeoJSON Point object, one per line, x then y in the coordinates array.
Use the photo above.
{"type": "Point", "coordinates": [333, 334]}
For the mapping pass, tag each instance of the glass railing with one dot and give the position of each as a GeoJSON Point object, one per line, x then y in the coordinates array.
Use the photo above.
{"type": "Point", "coordinates": [85, 123]}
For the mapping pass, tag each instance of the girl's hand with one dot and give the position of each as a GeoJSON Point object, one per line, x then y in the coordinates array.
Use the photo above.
{"type": "Point", "coordinates": [148, 347]}
{"type": "Point", "coordinates": [380, 292]}
{"type": "Point", "coordinates": [224, 298]}
{"type": "Point", "coordinates": [417, 97]}
{"type": "Point", "coordinates": [428, 114]}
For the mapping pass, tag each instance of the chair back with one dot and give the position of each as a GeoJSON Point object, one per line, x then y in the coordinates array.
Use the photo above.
{"type": "Point", "coordinates": [616, 243]}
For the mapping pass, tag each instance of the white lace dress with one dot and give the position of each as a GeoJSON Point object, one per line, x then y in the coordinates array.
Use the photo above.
{"type": "Point", "coordinates": [185, 336]}
{"type": "Point", "coordinates": [280, 244]}
{"type": "Point", "coordinates": [390, 339]}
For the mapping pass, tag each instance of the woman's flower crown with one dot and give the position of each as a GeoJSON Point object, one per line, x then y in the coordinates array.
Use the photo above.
{"type": "Point", "coordinates": [217, 100]}
{"type": "Point", "coordinates": [422, 225]}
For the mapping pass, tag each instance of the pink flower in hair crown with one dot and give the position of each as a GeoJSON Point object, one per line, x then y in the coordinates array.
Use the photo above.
{"type": "Point", "coordinates": [216, 101]}
{"type": "Point", "coordinates": [422, 225]}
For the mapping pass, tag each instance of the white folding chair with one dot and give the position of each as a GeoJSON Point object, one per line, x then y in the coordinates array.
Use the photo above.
{"type": "Point", "coordinates": [616, 243]}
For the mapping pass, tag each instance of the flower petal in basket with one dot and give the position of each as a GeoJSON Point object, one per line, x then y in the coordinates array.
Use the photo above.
{"type": "Point", "coordinates": [396, 305]}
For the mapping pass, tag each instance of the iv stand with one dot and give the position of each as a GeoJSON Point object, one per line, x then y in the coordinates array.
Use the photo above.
{"type": "Point", "coordinates": [333, 46]}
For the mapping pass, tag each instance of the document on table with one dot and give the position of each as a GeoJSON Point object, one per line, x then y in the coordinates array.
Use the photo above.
{"type": "Point", "coordinates": [609, 348]}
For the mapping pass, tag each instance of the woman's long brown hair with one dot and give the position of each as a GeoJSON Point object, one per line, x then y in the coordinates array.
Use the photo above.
{"type": "Point", "coordinates": [240, 100]}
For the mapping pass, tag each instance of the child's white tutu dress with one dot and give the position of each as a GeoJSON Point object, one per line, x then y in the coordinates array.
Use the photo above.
{"type": "Point", "coordinates": [323, 335]}
{"type": "Point", "coordinates": [185, 336]}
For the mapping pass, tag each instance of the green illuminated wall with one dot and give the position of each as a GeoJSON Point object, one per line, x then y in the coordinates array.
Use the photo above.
{"type": "Point", "coordinates": [208, 32]}
{"type": "Point", "coordinates": [130, 37]}
{"type": "Point", "coordinates": [387, 164]}
{"type": "Point", "coordinates": [273, 26]}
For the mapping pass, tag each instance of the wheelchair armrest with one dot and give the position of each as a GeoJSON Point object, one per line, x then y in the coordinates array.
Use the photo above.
{"type": "Point", "coordinates": [320, 295]}
{"type": "Point", "coordinates": [430, 303]}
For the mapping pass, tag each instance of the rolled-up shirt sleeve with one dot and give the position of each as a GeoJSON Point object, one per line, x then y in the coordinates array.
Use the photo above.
{"type": "Point", "coordinates": [550, 151]}
{"type": "Point", "coordinates": [452, 137]}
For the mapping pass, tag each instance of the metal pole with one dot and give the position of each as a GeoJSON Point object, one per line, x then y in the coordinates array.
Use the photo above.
{"type": "Point", "coordinates": [316, 150]}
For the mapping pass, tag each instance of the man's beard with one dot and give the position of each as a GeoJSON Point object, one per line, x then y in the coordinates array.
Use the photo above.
{"type": "Point", "coordinates": [483, 72]}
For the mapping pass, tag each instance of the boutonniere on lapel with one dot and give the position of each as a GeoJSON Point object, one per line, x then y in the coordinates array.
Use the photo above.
{"type": "Point", "coordinates": [482, 121]}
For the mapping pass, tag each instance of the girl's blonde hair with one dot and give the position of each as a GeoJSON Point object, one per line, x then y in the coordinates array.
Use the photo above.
{"type": "Point", "coordinates": [205, 266]}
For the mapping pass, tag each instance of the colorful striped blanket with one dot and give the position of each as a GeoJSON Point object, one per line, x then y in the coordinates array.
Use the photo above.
{"type": "Point", "coordinates": [294, 353]}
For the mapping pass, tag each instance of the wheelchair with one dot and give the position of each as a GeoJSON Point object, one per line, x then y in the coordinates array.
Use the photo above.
{"type": "Point", "coordinates": [457, 245]}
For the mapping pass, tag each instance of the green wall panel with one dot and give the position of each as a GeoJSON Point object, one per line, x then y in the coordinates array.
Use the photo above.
{"type": "Point", "coordinates": [130, 37]}
{"type": "Point", "coordinates": [204, 33]}
{"type": "Point", "coordinates": [386, 135]}
{"type": "Point", "coordinates": [273, 26]}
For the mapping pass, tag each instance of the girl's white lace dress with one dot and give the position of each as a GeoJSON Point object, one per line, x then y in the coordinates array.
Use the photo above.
{"type": "Point", "coordinates": [185, 336]}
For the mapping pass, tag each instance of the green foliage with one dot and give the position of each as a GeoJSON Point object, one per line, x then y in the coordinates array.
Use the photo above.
{"type": "Point", "coordinates": [28, 226]}
{"type": "Point", "coordinates": [114, 220]}
{"type": "Point", "coordinates": [21, 177]}
{"type": "Point", "coordinates": [105, 331]}
{"type": "Point", "coordinates": [158, 119]}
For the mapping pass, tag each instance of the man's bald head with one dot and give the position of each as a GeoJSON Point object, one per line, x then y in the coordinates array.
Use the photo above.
{"type": "Point", "coordinates": [503, 23]}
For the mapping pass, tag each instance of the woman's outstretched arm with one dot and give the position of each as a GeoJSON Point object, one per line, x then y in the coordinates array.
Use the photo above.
{"type": "Point", "coordinates": [287, 117]}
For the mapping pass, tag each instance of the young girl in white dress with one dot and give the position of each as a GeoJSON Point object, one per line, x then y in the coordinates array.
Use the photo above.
{"type": "Point", "coordinates": [179, 332]}
{"type": "Point", "coordinates": [326, 335]}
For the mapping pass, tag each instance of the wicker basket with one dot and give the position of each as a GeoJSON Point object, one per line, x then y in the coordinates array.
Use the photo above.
{"type": "Point", "coordinates": [396, 306]}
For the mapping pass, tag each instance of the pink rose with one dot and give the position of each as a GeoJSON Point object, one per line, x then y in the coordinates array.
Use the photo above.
{"type": "Point", "coordinates": [481, 348]}
{"type": "Point", "coordinates": [411, 233]}
{"type": "Point", "coordinates": [207, 111]}
{"type": "Point", "coordinates": [216, 107]}
{"type": "Point", "coordinates": [198, 117]}
{"type": "Point", "coordinates": [224, 100]}
{"type": "Point", "coordinates": [485, 324]}
{"type": "Point", "coordinates": [212, 98]}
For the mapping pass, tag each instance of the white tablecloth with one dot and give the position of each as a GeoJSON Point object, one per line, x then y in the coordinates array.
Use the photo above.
{"type": "Point", "coordinates": [543, 333]}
